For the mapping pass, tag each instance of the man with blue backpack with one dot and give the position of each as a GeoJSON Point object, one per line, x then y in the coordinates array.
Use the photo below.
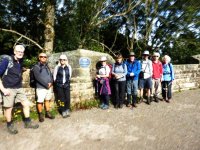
{"type": "Point", "coordinates": [11, 88]}
{"type": "Point", "coordinates": [133, 70]}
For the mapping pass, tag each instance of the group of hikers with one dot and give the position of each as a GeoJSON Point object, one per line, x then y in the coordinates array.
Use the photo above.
{"type": "Point", "coordinates": [132, 75]}
{"type": "Point", "coordinates": [11, 70]}
{"type": "Point", "coordinates": [123, 77]}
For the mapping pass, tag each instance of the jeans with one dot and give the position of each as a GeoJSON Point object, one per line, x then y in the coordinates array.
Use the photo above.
{"type": "Point", "coordinates": [132, 87]}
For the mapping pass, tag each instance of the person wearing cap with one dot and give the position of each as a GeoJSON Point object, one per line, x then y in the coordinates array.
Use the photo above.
{"type": "Point", "coordinates": [156, 77]}
{"type": "Point", "coordinates": [102, 77]}
{"type": "Point", "coordinates": [62, 75]}
{"type": "Point", "coordinates": [44, 83]}
{"type": "Point", "coordinates": [145, 79]}
{"type": "Point", "coordinates": [12, 91]}
{"type": "Point", "coordinates": [133, 70]}
{"type": "Point", "coordinates": [167, 78]}
{"type": "Point", "coordinates": [119, 71]}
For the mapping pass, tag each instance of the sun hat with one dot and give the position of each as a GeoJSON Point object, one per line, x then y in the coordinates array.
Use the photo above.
{"type": "Point", "coordinates": [156, 54]}
{"type": "Point", "coordinates": [145, 52]}
{"type": "Point", "coordinates": [132, 54]}
{"type": "Point", "coordinates": [63, 57]}
{"type": "Point", "coordinates": [103, 58]}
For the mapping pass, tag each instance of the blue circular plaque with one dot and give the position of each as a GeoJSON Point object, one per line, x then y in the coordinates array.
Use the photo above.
{"type": "Point", "coordinates": [84, 62]}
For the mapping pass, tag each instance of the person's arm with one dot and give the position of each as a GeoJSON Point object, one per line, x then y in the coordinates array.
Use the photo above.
{"type": "Point", "coordinates": [172, 71]}
{"type": "Point", "coordinates": [70, 71]}
{"type": "Point", "coordinates": [138, 68]}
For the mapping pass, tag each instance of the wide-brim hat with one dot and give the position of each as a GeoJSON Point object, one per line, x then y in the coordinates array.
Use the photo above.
{"type": "Point", "coordinates": [103, 58]}
{"type": "Point", "coordinates": [146, 53]}
{"type": "Point", "coordinates": [131, 54]}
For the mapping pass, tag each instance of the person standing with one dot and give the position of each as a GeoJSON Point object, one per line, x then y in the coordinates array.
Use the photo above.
{"type": "Point", "coordinates": [12, 91]}
{"type": "Point", "coordinates": [156, 77]}
{"type": "Point", "coordinates": [167, 78]}
{"type": "Point", "coordinates": [103, 83]}
{"type": "Point", "coordinates": [119, 71]}
{"type": "Point", "coordinates": [62, 75]}
{"type": "Point", "coordinates": [145, 81]}
{"type": "Point", "coordinates": [44, 82]}
{"type": "Point", "coordinates": [133, 70]}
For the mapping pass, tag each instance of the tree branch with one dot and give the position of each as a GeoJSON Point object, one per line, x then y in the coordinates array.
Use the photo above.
{"type": "Point", "coordinates": [15, 32]}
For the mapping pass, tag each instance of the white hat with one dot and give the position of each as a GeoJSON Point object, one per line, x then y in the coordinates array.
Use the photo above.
{"type": "Point", "coordinates": [145, 53]}
{"type": "Point", "coordinates": [19, 48]}
{"type": "Point", "coordinates": [156, 54]}
{"type": "Point", "coordinates": [103, 58]}
{"type": "Point", "coordinates": [63, 57]}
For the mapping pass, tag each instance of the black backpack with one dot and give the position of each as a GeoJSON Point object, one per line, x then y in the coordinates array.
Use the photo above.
{"type": "Point", "coordinates": [32, 82]}
{"type": "Point", "coordinates": [10, 62]}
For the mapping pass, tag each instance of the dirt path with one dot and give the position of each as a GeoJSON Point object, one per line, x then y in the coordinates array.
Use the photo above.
{"type": "Point", "coordinates": [162, 126]}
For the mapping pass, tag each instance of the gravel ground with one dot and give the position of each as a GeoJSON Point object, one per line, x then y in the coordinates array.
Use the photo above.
{"type": "Point", "coordinates": [160, 126]}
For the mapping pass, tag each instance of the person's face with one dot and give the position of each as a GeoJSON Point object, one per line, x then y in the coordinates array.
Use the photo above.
{"type": "Point", "coordinates": [19, 53]}
{"type": "Point", "coordinates": [145, 56]}
{"type": "Point", "coordinates": [119, 60]}
{"type": "Point", "coordinates": [155, 57]}
{"type": "Point", "coordinates": [103, 63]}
{"type": "Point", "coordinates": [43, 58]}
{"type": "Point", "coordinates": [63, 61]}
{"type": "Point", "coordinates": [132, 58]}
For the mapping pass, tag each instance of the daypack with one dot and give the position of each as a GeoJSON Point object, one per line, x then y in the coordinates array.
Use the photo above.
{"type": "Point", "coordinates": [32, 82]}
{"type": "Point", "coordinates": [10, 62]}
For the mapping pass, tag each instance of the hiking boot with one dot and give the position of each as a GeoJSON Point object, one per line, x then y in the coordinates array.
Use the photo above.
{"type": "Point", "coordinates": [156, 99]}
{"type": "Point", "coordinates": [12, 129]}
{"type": "Point", "coordinates": [105, 107]}
{"type": "Point", "coordinates": [151, 98]}
{"type": "Point", "coordinates": [102, 105]}
{"type": "Point", "coordinates": [148, 101]}
{"type": "Point", "coordinates": [121, 106]}
{"type": "Point", "coordinates": [49, 115]}
{"type": "Point", "coordinates": [41, 117]}
{"type": "Point", "coordinates": [141, 100]}
{"type": "Point", "coordinates": [30, 125]}
{"type": "Point", "coordinates": [134, 105]}
{"type": "Point", "coordinates": [65, 114]}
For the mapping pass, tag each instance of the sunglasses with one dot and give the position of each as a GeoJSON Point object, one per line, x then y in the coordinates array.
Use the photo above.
{"type": "Point", "coordinates": [43, 56]}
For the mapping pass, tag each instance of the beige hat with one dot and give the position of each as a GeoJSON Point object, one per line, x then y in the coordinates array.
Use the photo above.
{"type": "Point", "coordinates": [156, 54]}
{"type": "Point", "coordinates": [103, 58]}
{"type": "Point", "coordinates": [63, 57]}
{"type": "Point", "coordinates": [132, 54]}
{"type": "Point", "coordinates": [145, 53]}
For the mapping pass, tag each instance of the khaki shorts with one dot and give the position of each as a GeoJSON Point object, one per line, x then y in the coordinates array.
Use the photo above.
{"type": "Point", "coordinates": [16, 95]}
{"type": "Point", "coordinates": [43, 94]}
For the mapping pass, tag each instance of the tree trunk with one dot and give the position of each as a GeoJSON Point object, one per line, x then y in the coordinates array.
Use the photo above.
{"type": "Point", "coordinates": [49, 32]}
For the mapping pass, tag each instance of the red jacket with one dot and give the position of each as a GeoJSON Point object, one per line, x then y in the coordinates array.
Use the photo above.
{"type": "Point", "coordinates": [157, 70]}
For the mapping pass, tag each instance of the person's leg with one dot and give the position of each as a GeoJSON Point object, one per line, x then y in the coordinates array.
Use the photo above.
{"type": "Point", "coordinates": [67, 101]}
{"type": "Point", "coordinates": [116, 86]}
{"type": "Point", "coordinates": [134, 93]}
{"type": "Point", "coordinates": [41, 93]}
{"type": "Point", "coordinates": [148, 86]}
{"type": "Point", "coordinates": [163, 89]}
{"type": "Point", "coordinates": [128, 90]}
{"type": "Point", "coordinates": [169, 91]}
{"type": "Point", "coordinates": [141, 88]}
{"type": "Point", "coordinates": [26, 104]}
{"type": "Point", "coordinates": [122, 86]}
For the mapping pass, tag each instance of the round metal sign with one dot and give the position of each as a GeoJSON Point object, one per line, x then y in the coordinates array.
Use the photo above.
{"type": "Point", "coordinates": [84, 62]}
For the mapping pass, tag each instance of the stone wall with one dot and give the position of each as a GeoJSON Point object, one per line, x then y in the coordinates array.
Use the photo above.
{"type": "Point", "coordinates": [186, 76]}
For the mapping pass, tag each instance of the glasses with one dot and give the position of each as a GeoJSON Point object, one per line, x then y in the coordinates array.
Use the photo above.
{"type": "Point", "coordinates": [43, 56]}
{"type": "Point", "coordinates": [63, 60]}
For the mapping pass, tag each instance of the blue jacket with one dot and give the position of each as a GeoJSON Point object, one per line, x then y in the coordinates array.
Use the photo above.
{"type": "Point", "coordinates": [168, 72]}
{"type": "Point", "coordinates": [135, 68]}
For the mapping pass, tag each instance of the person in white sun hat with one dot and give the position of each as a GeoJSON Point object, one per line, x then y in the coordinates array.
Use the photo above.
{"type": "Point", "coordinates": [62, 75]}
{"type": "Point", "coordinates": [103, 85]}
{"type": "Point", "coordinates": [145, 76]}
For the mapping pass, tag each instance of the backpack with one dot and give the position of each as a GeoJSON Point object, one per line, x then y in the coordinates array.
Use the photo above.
{"type": "Point", "coordinates": [32, 82]}
{"type": "Point", "coordinates": [10, 62]}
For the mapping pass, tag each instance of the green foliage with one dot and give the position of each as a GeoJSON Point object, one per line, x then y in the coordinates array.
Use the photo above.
{"type": "Point", "coordinates": [87, 104]}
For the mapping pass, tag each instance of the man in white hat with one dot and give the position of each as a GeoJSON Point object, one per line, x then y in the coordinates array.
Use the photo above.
{"type": "Point", "coordinates": [157, 75]}
{"type": "Point", "coordinates": [145, 77]}
{"type": "Point", "coordinates": [12, 91]}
